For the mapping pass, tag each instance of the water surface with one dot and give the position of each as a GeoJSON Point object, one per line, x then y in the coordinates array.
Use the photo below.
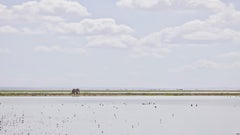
{"type": "Point", "coordinates": [123, 115]}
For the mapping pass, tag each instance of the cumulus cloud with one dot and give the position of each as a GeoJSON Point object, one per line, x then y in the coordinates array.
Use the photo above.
{"type": "Point", "coordinates": [115, 41]}
{"type": "Point", "coordinates": [219, 28]}
{"type": "Point", "coordinates": [91, 26]}
{"type": "Point", "coordinates": [49, 17]}
{"type": "Point", "coordinates": [58, 49]}
{"type": "Point", "coordinates": [33, 17]}
{"type": "Point", "coordinates": [157, 52]}
{"type": "Point", "coordinates": [7, 29]}
{"type": "Point", "coordinates": [43, 9]}
{"type": "Point", "coordinates": [213, 5]}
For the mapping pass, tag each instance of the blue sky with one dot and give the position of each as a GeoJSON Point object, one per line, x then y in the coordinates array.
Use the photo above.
{"type": "Point", "coordinates": [120, 43]}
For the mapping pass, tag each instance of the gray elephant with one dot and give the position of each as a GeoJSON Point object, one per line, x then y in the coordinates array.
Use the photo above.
{"type": "Point", "coordinates": [75, 91]}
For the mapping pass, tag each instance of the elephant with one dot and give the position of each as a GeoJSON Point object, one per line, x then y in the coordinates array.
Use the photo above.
{"type": "Point", "coordinates": [75, 91]}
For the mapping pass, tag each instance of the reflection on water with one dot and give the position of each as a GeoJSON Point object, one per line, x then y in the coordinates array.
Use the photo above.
{"type": "Point", "coordinates": [119, 115]}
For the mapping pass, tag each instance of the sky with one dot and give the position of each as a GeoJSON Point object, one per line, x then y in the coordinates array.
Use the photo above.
{"type": "Point", "coordinates": [120, 43]}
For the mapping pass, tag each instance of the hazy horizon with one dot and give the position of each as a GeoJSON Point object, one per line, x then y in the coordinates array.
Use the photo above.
{"type": "Point", "coordinates": [116, 88]}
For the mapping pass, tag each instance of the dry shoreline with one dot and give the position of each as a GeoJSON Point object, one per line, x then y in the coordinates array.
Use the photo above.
{"type": "Point", "coordinates": [121, 93]}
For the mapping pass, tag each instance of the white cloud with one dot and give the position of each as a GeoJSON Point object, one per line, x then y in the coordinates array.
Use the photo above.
{"type": "Point", "coordinates": [157, 52]}
{"type": "Point", "coordinates": [33, 17]}
{"type": "Point", "coordinates": [219, 28]}
{"type": "Point", "coordinates": [91, 26]}
{"type": "Point", "coordinates": [138, 47]}
{"type": "Point", "coordinates": [213, 5]}
{"type": "Point", "coordinates": [104, 26]}
{"type": "Point", "coordinates": [5, 13]}
{"type": "Point", "coordinates": [233, 65]}
{"type": "Point", "coordinates": [201, 64]}
{"type": "Point", "coordinates": [218, 35]}
{"type": "Point", "coordinates": [116, 41]}
{"type": "Point", "coordinates": [4, 51]}
{"type": "Point", "coordinates": [216, 29]}
{"type": "Point", "coordinates": [35, 10]}
{"type": "Point", "coordinates": [8, 29]}
{"type": "Point", "coordinates": [49, 17]}
{"type": "Point", "coordinates": [208, 65]}
{"type": "Point", "coordinates": [233, 55]}
{"type": "Point", "coordinates": [58, 49]}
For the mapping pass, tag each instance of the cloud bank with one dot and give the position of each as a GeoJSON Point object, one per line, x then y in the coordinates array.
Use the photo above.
{"type": "Point", "coordinates": [53, 17]}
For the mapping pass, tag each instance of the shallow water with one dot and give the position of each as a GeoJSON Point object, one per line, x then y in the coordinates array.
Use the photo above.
{"type": "Point", "coordinates": [131, 115]}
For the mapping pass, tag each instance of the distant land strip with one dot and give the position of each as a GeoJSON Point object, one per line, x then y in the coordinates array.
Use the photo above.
{"type": "Point", "coordinates": [121, 93]}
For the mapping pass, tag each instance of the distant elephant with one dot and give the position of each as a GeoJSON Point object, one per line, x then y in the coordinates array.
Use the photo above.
{"type": "Point", "coordinates": [75, 91]}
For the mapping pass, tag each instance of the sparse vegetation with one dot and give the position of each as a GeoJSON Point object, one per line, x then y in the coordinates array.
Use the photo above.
{"type": "Point", "coordinates": [120, 93]}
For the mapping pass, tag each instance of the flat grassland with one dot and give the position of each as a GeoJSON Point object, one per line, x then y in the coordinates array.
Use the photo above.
{"type": "Point", "coordinates": [121, 93]}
